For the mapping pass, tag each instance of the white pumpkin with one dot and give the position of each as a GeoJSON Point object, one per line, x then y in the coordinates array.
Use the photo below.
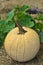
{"type": "Point", "coordinates": [22, 47]}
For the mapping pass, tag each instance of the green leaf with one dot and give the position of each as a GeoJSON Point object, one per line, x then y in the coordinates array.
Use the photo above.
{"type": "Point", "coordinates": [9, 26]}
{"type": "Point", "coordinates": [1, 39]}
{"type": "Point", "coordinates": [4, 29]}
{"type": "Point", "coordinates": [39, 17]}
{"type": "Point", "coordinates": [10, 15]}
{"type": "Point", "coordinates": [39, 26]}
{"type": "Point", "coordinates": [6, 25]}
{"type": "Point", "coordinates": [2, 23]}
{"type": "Point", "coordinates": [25, 20]}
{"type": "Point", "coordinates": [24, 8]}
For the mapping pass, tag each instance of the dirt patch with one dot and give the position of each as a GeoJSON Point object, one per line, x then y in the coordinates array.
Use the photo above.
{"type": "Point", "coordinates": [7, 5]}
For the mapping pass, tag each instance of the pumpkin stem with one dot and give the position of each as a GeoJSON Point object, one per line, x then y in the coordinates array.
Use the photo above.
{"type": "Point", "coordinates": [21, 30]}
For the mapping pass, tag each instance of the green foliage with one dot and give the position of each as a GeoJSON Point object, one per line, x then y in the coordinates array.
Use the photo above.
{"type": "Point", "coordinates": [24, 8]}
{"type": "Point", "coordinates": [39, 29]}
{"type": "Point", "coordinates": [2, 37]}
{"type": "Point", "coordinates": [10, 16]}
{"type": "Point", "coordinates": [23, 18]}
{"type": "Point", "coordinates": [39, 17]}
{"type": "Point", "coordinates": [39, 26]}
{"type": "Point", "coordinates": [6, 26]}
{"type": "Point", "coordinates": [4, 29]}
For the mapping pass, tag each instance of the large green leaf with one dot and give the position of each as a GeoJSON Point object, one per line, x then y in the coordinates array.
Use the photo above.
{"type": "Point", "coordinates": [9, 26]}
{"type": "Point", "coordinates": [25, 20]}
{"type": "Point", "coordinates": [6, 25]}
{"type": "Point", "coordinates": [4, 29]}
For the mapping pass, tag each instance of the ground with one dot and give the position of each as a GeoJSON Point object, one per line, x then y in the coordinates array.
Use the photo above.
{"type": "Point", "coordinates": [5, 7]}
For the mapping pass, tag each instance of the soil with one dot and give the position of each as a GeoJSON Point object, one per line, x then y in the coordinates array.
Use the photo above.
{"type": "Point", "coordinates": [5, 7]}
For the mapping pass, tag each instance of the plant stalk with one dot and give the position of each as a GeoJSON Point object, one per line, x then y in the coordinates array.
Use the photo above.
{"type": "Point", "coordinates": [21, 30]}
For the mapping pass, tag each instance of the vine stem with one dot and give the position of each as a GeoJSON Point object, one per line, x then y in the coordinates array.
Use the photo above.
{"type": "Point", "coordinates": [21, 30]}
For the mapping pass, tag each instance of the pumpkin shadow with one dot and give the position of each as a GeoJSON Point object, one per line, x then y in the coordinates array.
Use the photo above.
{"type": "Point", "coordinates": [34, 60]}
